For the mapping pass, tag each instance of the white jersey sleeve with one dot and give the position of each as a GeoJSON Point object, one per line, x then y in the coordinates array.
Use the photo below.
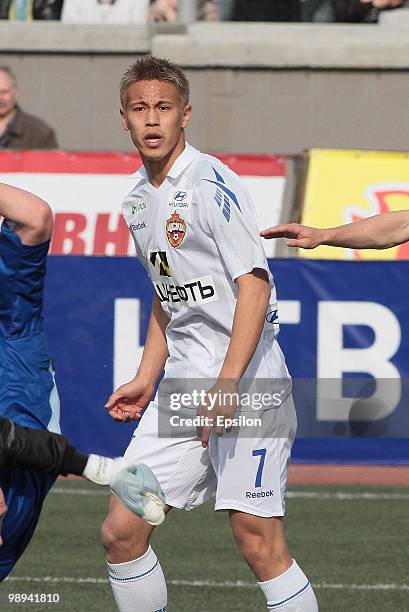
{"type": "Point", "coordinates": [228, 214]}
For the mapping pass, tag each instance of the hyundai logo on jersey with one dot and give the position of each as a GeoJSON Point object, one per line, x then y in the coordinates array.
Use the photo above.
{"type": "Point", "coordinates": [180, 196]}
{"type": "Point", "coordinates": [272, 316]}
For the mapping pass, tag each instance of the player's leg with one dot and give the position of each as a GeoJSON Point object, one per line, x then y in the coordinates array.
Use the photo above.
{"type": "Point", "coordinates": [251, 466]}
{"type": "Point", "coordinates": [136, 576]}
{"type": "Point", "coordinates": [262, 544]}
{"type": "Point", "coordinates": [185, 473]}
{"type": "Point", "coordinates": [24, 493]}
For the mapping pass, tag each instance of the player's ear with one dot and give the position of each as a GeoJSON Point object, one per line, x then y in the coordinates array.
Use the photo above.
{"type": "Point", "coordinates": [187, 113]}
{"type": "Point", "coordinates": [123, 119]}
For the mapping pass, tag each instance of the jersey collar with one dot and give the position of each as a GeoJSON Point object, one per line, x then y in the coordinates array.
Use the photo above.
{"type": "Point", "coordinates": [183, 161]}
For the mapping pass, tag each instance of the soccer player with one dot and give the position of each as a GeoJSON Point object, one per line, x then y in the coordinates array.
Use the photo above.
{"type": "Point", "coordinates": [214, 317]}
{"type": "Point", "coordinates": [378, 232]}
{"type": "Point", "coordinates": [42, 450]}
{"type": "Point", "coordinates": [28, 395]}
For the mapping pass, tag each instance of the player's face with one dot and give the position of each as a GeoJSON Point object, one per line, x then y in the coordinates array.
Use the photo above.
{"type": "Point", "coordinates": [155, 118]}
{"type": "Point", "coordinates": [8, 94]}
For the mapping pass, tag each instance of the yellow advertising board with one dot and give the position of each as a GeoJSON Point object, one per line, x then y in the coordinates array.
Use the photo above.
{"type": "Point", "coordinates": [344, 186]}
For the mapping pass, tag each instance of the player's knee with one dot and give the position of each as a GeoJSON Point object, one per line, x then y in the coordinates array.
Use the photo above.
{"type": "Point", "coordinates": [253, 548]}
{"type": "Point", "coordinates": [118, 538]}
{"type": "Point", "coordinates": [258, 551]}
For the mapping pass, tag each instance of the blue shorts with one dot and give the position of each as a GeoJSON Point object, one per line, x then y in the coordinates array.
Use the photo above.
{"type": "Point", "coordinates": [24, 492]}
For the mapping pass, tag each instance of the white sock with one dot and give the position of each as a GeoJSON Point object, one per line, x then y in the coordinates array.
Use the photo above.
{"type": "Point", "coordinates": [139, 585]}
{"type": "Point", "coordinates": [290, 592]}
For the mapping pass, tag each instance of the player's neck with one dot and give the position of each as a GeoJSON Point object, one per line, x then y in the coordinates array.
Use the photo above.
{"type": "Point", "coordinates": [157, 170]}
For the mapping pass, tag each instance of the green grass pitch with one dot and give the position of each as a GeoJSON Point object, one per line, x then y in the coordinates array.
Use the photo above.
{"type": "Point", "coordinates": [354, 547]}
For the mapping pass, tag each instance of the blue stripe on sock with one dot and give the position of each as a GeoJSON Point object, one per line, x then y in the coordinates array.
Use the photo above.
{"type": "Point", "coordinates": [134, 577]}
{"type": "Point", "coordinates": [272, 606]}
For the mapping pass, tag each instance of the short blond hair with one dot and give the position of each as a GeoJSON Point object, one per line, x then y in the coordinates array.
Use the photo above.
{"type": "Point", "coordinates": [150, 68]}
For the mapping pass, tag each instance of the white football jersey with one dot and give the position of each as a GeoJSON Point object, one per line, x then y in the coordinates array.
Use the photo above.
{"type": "Point", "coordinates": [195, 235]}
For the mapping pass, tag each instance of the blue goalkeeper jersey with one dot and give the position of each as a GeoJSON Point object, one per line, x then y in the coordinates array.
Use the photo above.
{"type": "Point", "coordinates": [27, 390]}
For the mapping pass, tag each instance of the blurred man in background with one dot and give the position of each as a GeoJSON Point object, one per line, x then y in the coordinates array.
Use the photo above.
{"type": "Point", "coordinates": [19, 130]}
{"type": "Point", "coordinates": [105, 11]}
{"type": "Point", "coordinates": [207, 10]}
{"type": "Point", "coordinates": [267, 10]}
{"type": "Point", "coordinates": [26, 10]}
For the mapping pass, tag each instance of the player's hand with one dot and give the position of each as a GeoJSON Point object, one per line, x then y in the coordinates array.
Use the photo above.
{"type": "Point", "coordinates": [218, 410]}
{"type": "Point", "coordinates": [128, 401]}
{"type": "Point", "coordinates": [300, 236]}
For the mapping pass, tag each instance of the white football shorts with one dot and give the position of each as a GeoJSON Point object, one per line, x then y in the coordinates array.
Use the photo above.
{"type": "Point", "coordinates": [247, 472]}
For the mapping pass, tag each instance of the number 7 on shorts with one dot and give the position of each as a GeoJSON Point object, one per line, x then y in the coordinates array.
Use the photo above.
{"type": "Point", "coordinates": [259, 452]}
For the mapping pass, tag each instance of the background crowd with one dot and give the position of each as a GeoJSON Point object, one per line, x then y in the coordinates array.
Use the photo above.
{"type": "Point", "coordinates": [142, 11]}
{"type": "Point", "coordinates": [20, 130]}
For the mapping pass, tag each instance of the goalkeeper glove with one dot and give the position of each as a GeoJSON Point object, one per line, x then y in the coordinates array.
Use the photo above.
{"type": "Point", "coordinates": [134, 485]}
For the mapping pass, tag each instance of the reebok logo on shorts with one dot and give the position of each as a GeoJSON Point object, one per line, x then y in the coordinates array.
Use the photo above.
{"type": "Point", "coordinates": [259, 494]}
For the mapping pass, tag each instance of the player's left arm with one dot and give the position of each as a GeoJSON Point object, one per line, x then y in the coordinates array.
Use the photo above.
{"type": "Point", "coordinates": [32, 217]}
{"type": "Point", "coordinates": [235, 232]}
{"type": "Point", "coordinates": [253, 297]}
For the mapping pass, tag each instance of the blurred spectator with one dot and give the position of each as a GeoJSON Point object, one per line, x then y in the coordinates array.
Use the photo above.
{"type": "Point", "coordinates": [18, 130]}
{"type": "Point", "coordinates": [105, 11]}
{"type": "Point", "coordinates": [346, 10]}
{"type": "Point", "coordinates": [267, 10]}
{"type": "Point", "coordinates": [366, 11]}
{"type": "Point", "coordinates": [320, 11]}
{"type": "Point", "coordinates": [26, 10]}
{"type": "Point", "coordinates": [225, 8]}
{"type": "Point", "coordinates": [208, 10]}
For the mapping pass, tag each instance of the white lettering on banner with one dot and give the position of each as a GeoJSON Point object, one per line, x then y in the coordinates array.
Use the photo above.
{"type": "Point", "coordinates": [289, 311]}
{"type": "Point", "coordinates": [334, 360]}
{"type": "Point", "coordinates": [127, 349]}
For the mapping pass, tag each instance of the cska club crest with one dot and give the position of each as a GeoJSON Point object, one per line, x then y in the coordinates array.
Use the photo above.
{"type": "Point", "coordinates": [175, 230]}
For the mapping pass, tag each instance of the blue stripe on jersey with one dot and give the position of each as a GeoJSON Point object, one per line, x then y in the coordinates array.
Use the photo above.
{"type": "Point", "coordinates": [221, 184]}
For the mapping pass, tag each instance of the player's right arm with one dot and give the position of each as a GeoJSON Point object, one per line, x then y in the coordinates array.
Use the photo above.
{"type": "Point", "coordinates": [379, 232]}
{"type": "Point", "coordinates": [32, 217]}
{"type": "Point", "coordinates": [128, 401]}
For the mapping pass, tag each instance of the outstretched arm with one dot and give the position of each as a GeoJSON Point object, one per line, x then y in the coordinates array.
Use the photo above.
{"type": "Point", "coordinates": [378, 232]}
{"type": "Point", "coordinates": [32, 216]}
{"type": "Point", "coordinates": [134, 484]}
{"type": "Point", "coordinates": [38, 449]}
